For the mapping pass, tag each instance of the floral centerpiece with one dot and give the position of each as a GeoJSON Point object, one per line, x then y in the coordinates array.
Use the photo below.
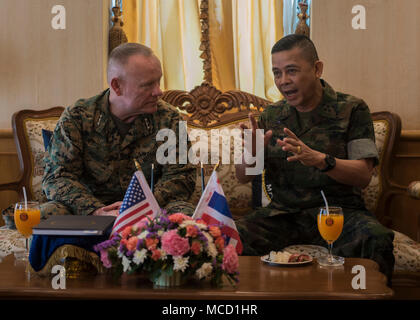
{"type": "Point", "coordinates": [170, 245]}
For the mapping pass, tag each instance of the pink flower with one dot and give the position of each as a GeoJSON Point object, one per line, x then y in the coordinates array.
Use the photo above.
{"type": "Point", "coordinates": [178, 217]}
{"type": "Point", "coordinates": [143, 223]}
{"type": "Point", "coordinates": [174, 244]}
{"type": "Point", "coordinates": [192, 231]}
{"type": "Point", "coordinates": [105, 259]}
{"type": "Point", "coordinates": [151, 243]}
{"type": "Point", "coordinates": [156, 254]}
{"type": "Point", "coordinates": [215, 231]}
{"type": "Point", "coordinates": [196, 247]}
{"type": "Point", "coordinates": [132, 243]}
{"type": "Point", "coordinates": [230, 259]}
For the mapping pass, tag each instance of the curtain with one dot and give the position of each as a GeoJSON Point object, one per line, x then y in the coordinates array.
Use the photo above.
{"type": "Point", "coordinates": [242, 33]}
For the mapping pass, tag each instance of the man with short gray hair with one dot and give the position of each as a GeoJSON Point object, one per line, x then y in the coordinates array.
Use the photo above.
{"type": "Point", "coordinates": [90, 160]}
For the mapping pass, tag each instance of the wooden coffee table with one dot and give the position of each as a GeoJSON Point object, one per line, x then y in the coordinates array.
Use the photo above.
{"type": "Point", "coordinates": [258, 281]}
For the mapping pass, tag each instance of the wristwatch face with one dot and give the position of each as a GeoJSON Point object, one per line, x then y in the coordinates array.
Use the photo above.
{"type": "Point", "coordinates": [330, 161]}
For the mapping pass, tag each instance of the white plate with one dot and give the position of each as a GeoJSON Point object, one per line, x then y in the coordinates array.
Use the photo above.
{"type": "Point", "coordinates": [288, 264]}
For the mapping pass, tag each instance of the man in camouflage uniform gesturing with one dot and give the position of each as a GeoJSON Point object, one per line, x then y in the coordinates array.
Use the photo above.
{"type": "Point", "coordinates": [315, 139]}
{"type": "Point", "coordinates": [90, 160]}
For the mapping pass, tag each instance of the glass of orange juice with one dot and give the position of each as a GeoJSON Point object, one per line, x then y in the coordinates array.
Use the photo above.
{"type": "Point", "coordinates": [27, 215]}
{"type": "Point", "coordinates": [330, 225]}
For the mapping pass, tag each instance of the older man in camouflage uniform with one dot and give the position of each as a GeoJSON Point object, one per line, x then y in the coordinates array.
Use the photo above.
{"type": "Point", "coordinates": [90, 160]}
{"type": "Point", "coordinates": [315, 139]}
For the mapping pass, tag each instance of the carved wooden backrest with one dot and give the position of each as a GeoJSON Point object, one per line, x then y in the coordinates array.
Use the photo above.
{"type": "Point", "coordinates": [27, 131]}
{"type": "Point", "coordinates": [381, 189]}
{"type": "Point", "coordinates": [206, 107]}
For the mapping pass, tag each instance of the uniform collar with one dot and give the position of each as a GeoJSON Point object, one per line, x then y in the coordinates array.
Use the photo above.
{"type": "Point", "coordinates": [102, 118]}
{"type": "Point", "coordinates": [143, 125]}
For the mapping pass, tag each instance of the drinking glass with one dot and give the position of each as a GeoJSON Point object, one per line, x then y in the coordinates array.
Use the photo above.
{"type": "Point", "coordinates": [27, 214]}
{"type": "Point", "coordinates": [330, 225]}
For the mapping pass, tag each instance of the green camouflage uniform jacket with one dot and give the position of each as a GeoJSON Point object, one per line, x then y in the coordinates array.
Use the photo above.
{"type": "Point", "coordinates": [340, 126]}
{"type": "Point", "coordinates": [88, 165]}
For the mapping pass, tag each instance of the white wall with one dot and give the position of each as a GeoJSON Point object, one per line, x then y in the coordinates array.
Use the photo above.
{"type": "Point", "coordinates": [380, 64]}
{"type": "Point", "coordinates": [41, 67]}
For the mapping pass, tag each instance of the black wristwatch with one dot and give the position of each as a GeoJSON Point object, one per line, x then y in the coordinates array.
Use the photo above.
{"type": "Point", "coordinates": [330, 162]}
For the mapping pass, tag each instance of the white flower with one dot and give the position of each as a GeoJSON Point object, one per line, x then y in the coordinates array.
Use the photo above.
{"type": "Point", "coordinates": [160, 232]}
{"type": "Point", "coordinates": [208, 236]}
{"type": "Point", "coordinates": [163, 255]}
{"type": "Point", "coordinates": [186, 223]}
{"type": "Point", "coordinates": [125, 263]}
{"type": "Point", "coordinates": [205, 270]}
{"type": "Point", "coordinates": [192, 223]}
{"type": "Point", "coordinates": [143, 234]}
{"type": "Point", "coordinates": [139, 256]}
{"type": "Point", "coordinates": [180, 263]}
{"type": "Point", "coordinates": [211, 250]}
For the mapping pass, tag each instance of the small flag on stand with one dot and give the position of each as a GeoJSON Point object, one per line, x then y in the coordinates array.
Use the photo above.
{"type": "Point", "coordinates": [138, 202]}
{"type": "Point", "coordinates": [213, 209]}
{"type": "Point", "coordinates": [202, 178]}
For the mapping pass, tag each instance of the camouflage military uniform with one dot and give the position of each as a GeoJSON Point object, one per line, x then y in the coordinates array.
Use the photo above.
{"type": "Point", "coordinates": [342, 127]}
{"type": "Point", "coordinates": [89, 164]}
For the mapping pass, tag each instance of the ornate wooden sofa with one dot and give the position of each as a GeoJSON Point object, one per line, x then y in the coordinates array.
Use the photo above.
{"type": "Point", "coordinates": [207, 108]}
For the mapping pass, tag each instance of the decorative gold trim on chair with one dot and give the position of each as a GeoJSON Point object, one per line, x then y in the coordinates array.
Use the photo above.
{"type": "Point", "coordinates": [116, 33]}
{"type": "Point", "coordinates": [206, 106]}
{"type": "Point", "coordinates": [205, 41]}
{"type": "Point", "coordinates": [302, 27]}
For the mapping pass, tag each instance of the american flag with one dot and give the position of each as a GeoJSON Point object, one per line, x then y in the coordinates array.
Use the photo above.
{"type": "Point", "coordinates": [138, 202]}
{"type": "Point", "coordinates": [213, 208]}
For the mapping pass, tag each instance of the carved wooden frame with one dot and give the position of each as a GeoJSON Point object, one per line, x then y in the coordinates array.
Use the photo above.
{"type": "Point", "coordinates": [205, 106]}
{"type": "Point", "coordinates": [23, 147]}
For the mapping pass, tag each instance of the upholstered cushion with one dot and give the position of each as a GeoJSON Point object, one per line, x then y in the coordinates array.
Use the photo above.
{"type": "Point", "coordinates": [373, 191]}
{"type": "Point", "coordinates": [239, 196]}
{"type": "Point", "coordinates": [10, 242]}
{"type": "Point", "coordinates": [406, 252]}
{"type": "Point", "coordinates": [414, 189]}
{"type": "Point", "coordinates": [34, 135]}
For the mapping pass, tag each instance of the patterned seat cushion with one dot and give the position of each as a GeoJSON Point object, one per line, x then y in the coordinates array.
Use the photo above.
{"type": "Point", "coordinates": [239, 196]}
{"type": "Point", "coordinates": [414, 189]}
{"type": "Point", "coordinates": [373, 191]}
{"type": "Point", "coordinates": [34, 135]}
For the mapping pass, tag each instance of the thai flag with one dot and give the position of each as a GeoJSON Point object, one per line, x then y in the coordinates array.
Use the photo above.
{"type": "Point", "coordinates": [213, 209]}
{"type": "Point", "coordinates": [138, 202]}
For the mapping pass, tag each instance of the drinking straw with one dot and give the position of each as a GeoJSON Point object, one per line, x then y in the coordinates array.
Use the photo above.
{"type": "Point", "coordinates": [26, 208]}
{"type": "Point", "coordinates": [325, 200]}
{"type": "Point", "coordinates": [26, 199]}
{"type": "Point", "coordinates": [202, 178]}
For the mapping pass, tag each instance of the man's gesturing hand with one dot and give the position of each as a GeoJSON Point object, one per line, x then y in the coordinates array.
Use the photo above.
{"type": "Point", "coordinates": [301, 152]}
